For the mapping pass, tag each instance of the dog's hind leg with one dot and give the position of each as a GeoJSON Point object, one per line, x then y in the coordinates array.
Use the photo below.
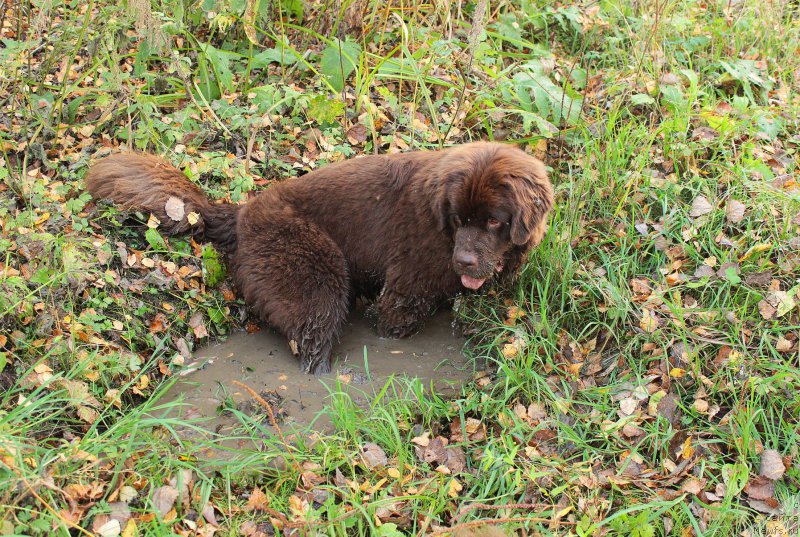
{"type": "Point", "coordinates": [295, 277]}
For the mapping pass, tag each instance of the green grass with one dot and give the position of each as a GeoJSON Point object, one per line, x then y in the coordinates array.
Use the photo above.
{"type": "Point", "coordinates": [636, 393]}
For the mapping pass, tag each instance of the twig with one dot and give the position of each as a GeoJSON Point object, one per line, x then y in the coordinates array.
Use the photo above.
{"type": "Point", "coordinates": [272, 420]}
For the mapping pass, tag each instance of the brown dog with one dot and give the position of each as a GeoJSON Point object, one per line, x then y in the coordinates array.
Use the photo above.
{"type": "Point", "coordinates": [408, 230]}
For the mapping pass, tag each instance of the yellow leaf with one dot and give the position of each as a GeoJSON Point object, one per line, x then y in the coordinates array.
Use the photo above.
{"type": "Point", "coordinates": [130, 529]}
{"type": "Point", "coordinates": [687, 450]}
{"type": "Point", "coordinates": [563, 512]}
{"type": "Point", "coordinates": [250, 13]}
{"type": "Point", "coordinates": [42, 219]}
{"type": "Point", "coordinates": [510, 350]}
{"type": "Point", "coordinates": [677, 372]}
{"type": "Point", "coordinates": [455, 488]}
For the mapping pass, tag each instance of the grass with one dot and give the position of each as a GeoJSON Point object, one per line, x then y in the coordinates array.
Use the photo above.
{"type": "Point", "coordinates": [644, 367]}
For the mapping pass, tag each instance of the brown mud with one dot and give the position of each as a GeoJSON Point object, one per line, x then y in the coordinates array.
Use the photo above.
{"type": "Point", "coordinates": [363, 365]}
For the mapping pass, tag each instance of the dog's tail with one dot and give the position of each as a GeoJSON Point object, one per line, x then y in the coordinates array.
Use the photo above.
{"type": "Point", "coordinates": [147, 183]}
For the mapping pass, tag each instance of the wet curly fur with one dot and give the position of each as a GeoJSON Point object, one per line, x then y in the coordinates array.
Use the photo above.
{"type": "Point", "coordinates": [408, 231]}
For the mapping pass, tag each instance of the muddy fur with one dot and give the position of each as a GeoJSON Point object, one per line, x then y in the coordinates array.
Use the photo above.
{"type": "Point", "coordinates": [408, 231]}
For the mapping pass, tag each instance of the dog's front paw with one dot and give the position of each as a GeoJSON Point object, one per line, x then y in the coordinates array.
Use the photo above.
{"type": "Point", "coordinates": [396, 331]}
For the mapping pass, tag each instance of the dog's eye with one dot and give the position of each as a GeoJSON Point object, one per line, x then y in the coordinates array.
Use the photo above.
{"type": "Point", "coordinates": [493, 223]}
{"type": "Point", "coordinates": [455, 221]}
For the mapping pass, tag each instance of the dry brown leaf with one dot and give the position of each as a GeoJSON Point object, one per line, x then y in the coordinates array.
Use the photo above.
{"type": "Point", "coordinates": [297, 506]}
{"type": "Point", "coordinates": [196, 322]}
{"type": "Point", "coordinates": [734, 211]}
{"type": "Point", "coordinates": [700, 206]}
{"type": "Point", "coordinates": [772, 466]}
{"type": "Point", "coordinates": [422, 440]}
{"type": "Point", "coordinates": [164, 499]}
{"type": "Point", "coordinates": [648, 322]}
{"type": "Point", "coordinates": [175, 208]}
{"type": "Point", "coordinates": [105, 527]}
{"type": "Point", "coordinates": [776, 304]}
{"type": "Point", "coordinates": [258, 501]}
{"type": "Point", "coordinates": [760, 488]}
{"type": "Point", "coordinates": [693, 485]}
{"type": "Point", "coordinates": [766, 310]}
{"type": "Point", "coordinates": [373, 456]}
{"type": "Point", "coordinates": [783, 345]}
{"type": "Point", "coordinates": [628, 405]}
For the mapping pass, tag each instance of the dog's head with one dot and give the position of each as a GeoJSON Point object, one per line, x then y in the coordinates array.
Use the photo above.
{"type": "Point", "coordinates": [493, 199]}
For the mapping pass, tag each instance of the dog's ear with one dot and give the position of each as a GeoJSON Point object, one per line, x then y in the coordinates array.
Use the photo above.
{"type": "Point", "coordinates": [533, 199]}
{"type": "Point", "coordinates": [440, 205]}
{"type": "Point", "coordinates": [444, 196]}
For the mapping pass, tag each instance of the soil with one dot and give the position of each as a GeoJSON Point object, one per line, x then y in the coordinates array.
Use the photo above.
{"type": "Point", "coordinates": [363, 364]}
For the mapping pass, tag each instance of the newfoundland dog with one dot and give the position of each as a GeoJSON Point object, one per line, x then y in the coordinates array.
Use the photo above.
{"type": "Point", "coordinates": [408, 231]}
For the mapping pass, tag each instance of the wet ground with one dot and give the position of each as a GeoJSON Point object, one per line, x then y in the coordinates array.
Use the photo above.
{"type": "Point", "coordinates": [364, 364]}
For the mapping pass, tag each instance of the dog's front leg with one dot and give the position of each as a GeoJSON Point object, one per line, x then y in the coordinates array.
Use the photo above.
{"type": "Point", "coordinates": [401, 315]}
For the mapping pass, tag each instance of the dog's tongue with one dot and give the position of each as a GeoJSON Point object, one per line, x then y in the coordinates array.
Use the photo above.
{"type": "Point", "coordinates": [470, 282]}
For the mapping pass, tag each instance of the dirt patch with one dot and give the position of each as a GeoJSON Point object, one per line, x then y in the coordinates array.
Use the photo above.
{"type": "Point", "coordinates": [363, 364]}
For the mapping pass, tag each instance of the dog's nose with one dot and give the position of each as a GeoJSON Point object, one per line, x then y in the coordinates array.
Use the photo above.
{"type": "Point", "coordinates": [466, 259]}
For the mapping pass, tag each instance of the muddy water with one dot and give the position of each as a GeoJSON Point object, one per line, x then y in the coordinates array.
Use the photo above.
{"type": "Point", "coordinates": [364, 363]}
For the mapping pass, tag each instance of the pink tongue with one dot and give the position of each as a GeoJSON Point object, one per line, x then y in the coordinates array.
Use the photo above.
{"type": "Point", "coordinates": [470, 282]}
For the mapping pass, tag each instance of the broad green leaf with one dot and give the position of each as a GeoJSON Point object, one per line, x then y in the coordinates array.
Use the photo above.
{"type": "Point", "coordinates": [155, 240]}
{"type": "Point", "coordinates": [220, 62]}
{"type": "Point", "coordinates": [278, 54]}
{"type": "Point", "coordinates": [338, 61]}
{"type": "Point", "coordinates": [324, 110]}
{"type": "Point", "coordinates": [641, 99]}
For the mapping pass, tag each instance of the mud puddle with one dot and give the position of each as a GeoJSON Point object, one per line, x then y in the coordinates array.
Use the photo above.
{"type": "Point", "coordinates": [363, 365]}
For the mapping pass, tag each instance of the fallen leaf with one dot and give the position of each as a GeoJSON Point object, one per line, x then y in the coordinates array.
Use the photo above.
{"type": "Point", "coordinates": [734, 211]}
{"type": "Point", "coordinates": [258, 501]}
{"type": "Point", "coordinates": [107, 528]}
{"type": "Point", "coordinates": [422, 440]}
{"type": "Point", "coordinates": [760, 488]}
{"type": "Point", "coordinates": [297, 506]}
{"type": "Point", "coordinates": [196, 322]}
{"type": "Point", "coordinates": [766, 310]}
{"type": "Point", "coordinates": [776, 304]}
{"type": "Point", "coordinates": [175, 208]}
{"type": "Point", "coordinates": [628, 405]}
{"type": "Point", "coordinates": [373, 456]}
{"type": "Point", "coordinates": [783, 345]}
{"type": "Point", "coordinates": [687, 449]}
{"type": "Point", "coordinates": [693, 485]}
{"type": "Point", "coordinates": [455, 488]}
{"type": "Point", "coordinates": [164, 499]}
{"type": "Point", "coordinates": [640, 287]}
{"type": "Point", "coordinates": [648, 322]}
{"type": "Point", "coordinates": [668, 407]}
{"type": "Point", "coordinates": [772, 466]}
{"type": "Point", "coordinates": [700, 206]}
